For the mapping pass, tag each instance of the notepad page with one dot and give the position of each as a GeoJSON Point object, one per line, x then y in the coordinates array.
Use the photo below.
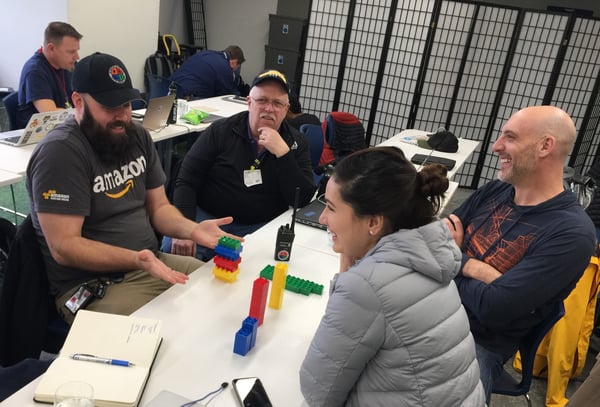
{"type": "Point", "coordinates": [113, 336]}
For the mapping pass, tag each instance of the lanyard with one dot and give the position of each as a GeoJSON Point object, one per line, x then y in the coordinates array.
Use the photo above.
{"type": "Point", "coordinates": [63, 85]}
{"type": "Point", "coordinates": [258, 160]}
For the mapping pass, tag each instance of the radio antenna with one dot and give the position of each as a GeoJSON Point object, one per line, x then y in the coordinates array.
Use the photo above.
{"type": "Point", "coordinates": [296, 198]}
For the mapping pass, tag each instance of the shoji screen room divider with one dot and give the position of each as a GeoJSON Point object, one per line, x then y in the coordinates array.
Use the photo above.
{"type": "Point", "coordinates": [465, 66]}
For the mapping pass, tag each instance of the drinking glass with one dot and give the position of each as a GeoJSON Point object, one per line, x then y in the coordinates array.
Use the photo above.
{"type": "Point", "coordinates": [74, 394]}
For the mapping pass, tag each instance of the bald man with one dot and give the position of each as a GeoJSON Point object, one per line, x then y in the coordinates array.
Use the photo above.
{"type": "Point", "coordinates": [525, 240]}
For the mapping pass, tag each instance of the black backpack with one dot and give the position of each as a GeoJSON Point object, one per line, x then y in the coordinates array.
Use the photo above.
{"type": "Point", "coordinates": [158, 64]}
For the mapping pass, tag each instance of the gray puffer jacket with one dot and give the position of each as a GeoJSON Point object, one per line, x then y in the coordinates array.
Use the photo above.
{"type": "Point", "coordinates": [395, 332]}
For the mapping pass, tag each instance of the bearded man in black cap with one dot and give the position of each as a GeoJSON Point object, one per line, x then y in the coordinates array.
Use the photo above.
{"type": "Point", "coordinates": [97, 197]}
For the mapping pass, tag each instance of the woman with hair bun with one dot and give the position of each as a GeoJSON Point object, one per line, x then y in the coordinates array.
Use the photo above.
{"type": "Point", "coordinates": [394, 332]}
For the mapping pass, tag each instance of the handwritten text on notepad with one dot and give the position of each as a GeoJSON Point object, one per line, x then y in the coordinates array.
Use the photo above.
{"type": "Point", "coordinates": [140, 329]}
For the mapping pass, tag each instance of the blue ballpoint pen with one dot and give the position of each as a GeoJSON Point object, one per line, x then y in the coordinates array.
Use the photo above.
{"type": "Point", "coordinates": [91, 358]}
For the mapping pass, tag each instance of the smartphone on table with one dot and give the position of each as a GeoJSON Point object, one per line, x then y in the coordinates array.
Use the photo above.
{"type": "Point", "coordinates": [250, 392]}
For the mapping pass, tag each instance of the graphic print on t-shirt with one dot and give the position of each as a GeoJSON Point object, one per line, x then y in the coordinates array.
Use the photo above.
{"type": "Point", "coordinates": [116, 183]}
{"type": "Point", "coordinates": [484, 241]}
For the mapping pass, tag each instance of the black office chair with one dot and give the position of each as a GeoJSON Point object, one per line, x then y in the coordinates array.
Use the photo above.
{"type": "Point", "coordinates": [29, 322]}
{"type": "Point", "coordinates": [314, 135]}
{"type": "Point", "coordinates": [344, 134]}
{"type": "Point", "coordinates": [11, 102]}
{"type": "Point", "coordinates": [507, 385]}
{"type": "Point", "coordinates": [138, 104]}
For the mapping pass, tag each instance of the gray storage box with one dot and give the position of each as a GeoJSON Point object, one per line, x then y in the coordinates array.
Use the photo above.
{"type": "Point", "coordinates": [285, 61]}
{"type": "Point", "coordinates": [286, 32]}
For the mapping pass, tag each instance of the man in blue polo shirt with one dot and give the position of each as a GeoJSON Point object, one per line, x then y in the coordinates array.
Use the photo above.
{"type": "Point", "coordinates": [45, 83]}
{"type": "Point", "coordinates": [209, 73]}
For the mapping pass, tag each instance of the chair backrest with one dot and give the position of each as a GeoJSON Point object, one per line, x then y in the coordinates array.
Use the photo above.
{"type": "Point", "coordinates": [156, 86]}
{"type": "Point", "coordinates": [314, 135]}
{"type": "Point", "coordinates": [11, 102]}
{"type": "Point", "coordinates": [344, 134]}
{"type": "Point", "coordinates": [505, 384]}
{"type": "Point", "coordinates": [137, 104]}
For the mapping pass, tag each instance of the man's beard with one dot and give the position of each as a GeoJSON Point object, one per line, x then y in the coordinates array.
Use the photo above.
{"type": "Point", "coordinates": [111, 148]}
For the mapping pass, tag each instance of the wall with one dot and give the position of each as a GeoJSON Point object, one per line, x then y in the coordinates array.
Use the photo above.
{"type": "Point", "coordinates": [245, 24]}
{"type": "Point", "coordinates": [171, 19]}
{"type": "Point", "coordinates": [17, 42]}
{"type": "Point", "coordinates": [110, 26]}
{"type": "Point", "coordinates": [125, 29]}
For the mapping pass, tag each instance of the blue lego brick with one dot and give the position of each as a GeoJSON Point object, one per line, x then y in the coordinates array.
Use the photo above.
{"type": "Point", "coordinates": [251, 324]}
{"type": "Point", "coordinates": [243, 341]}
{"type": "Point", "coordinates": [227, 252]}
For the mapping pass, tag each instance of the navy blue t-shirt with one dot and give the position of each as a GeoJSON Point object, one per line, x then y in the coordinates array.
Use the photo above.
{"type": "Point", "coordinates": [39, 80]}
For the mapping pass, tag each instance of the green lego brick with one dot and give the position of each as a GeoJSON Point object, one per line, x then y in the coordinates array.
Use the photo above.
{"type": "Point", "coordinates": [230, 243]}
{"type": "Point", "coordinates": [294, 284]}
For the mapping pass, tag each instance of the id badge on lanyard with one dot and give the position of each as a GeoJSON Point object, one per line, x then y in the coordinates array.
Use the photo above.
{"type": "Point", "coordinates": [253, 176]}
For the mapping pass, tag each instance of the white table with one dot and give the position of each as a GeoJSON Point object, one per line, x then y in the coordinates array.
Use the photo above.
{"type": "Point", "coordinates": [200, 320]}
{"type": "Point", "coordinates": [9, 178]}
{"type": "Point", "coordinates": [220, 105]}
{"type": "Point", "coordinates": [15, 159]}
{"type": "Point", "coordinates": [465, 148]}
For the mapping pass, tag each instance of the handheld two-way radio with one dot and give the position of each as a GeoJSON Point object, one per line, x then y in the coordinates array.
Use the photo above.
{"type": "Point", "coordinates": [285, 235]}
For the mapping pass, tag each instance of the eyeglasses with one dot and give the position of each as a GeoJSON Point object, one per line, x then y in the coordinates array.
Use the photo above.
{"type": "Point", "coordinates": [277, 104]}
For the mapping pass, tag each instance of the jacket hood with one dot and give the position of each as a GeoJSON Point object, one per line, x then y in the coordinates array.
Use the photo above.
{"type": "Point", "coordinates": [429, 250]}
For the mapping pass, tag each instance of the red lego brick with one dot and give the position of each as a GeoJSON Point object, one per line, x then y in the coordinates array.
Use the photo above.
{"type": "Point", "coordinates": [227, 264]}
{"type": "Point", "coordinates": [258, 302]}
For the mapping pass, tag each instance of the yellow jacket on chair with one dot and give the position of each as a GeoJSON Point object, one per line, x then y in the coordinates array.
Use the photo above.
{"type": "Point", "coordinates": [562, 353]}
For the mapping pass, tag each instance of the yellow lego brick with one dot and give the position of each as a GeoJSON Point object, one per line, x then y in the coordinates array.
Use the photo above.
{"type": "Point", "coordinates": [225, 275]}
{"type": "Point", "coordinates": [278, 286]}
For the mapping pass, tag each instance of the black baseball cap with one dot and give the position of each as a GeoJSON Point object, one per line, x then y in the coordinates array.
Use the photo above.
{"type": "Point", "coordinates": [443, 140]}
{"type": "Point", "coordinates": [271, 75]}
{"type": "Point", "coordinates": [106, 79]}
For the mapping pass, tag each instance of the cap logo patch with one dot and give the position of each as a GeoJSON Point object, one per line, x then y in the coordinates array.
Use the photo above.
{"type": "Point", "coordinates": [273, 73]}
{"type": "Point", "coordinates": [117, 74]}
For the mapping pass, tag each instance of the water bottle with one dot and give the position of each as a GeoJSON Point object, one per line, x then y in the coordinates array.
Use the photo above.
{"type": "Point", "coordinates": [173, 114]}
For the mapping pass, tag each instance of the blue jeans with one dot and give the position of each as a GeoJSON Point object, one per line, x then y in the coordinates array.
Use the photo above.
{"type": "Point", "coordinates": [205, 253]}
{"type": "Point", "coordinates": [490, 367]}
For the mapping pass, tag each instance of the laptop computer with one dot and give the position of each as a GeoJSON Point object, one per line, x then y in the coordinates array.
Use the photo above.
{"type": "Point", "coordinates": [431, 159]}
{"type": "Point", "coordinates": [157, 112]}
{"type": "Point", "coordinates": [309, 215]}
{"type": "Point", "coordinates": [37, 127]}
{"type": "Point", "coordinates": [212, 118]}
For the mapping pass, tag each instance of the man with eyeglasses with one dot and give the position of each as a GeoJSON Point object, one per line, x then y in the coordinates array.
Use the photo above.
{"type": "Point", "coordinates": [246, 166]}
